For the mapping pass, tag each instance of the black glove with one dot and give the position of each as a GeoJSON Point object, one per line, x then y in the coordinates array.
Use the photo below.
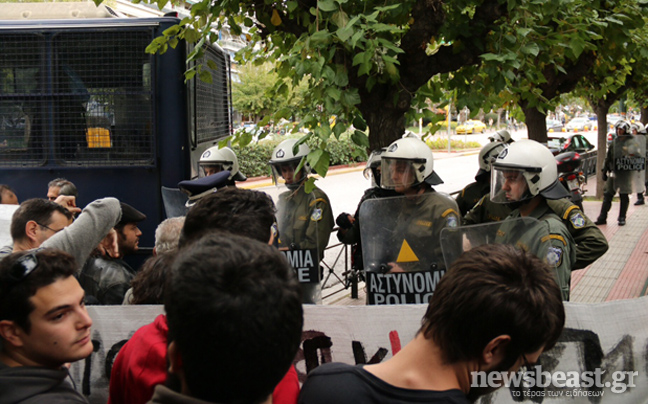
{"type": "Point", "coordinates": [343, 221]}
{"type": "Point", "coordinates": [605, 176]}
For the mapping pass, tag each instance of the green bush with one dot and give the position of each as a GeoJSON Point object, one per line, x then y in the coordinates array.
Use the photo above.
{"type": "Point", "coordinates": [442, 144]}
{"type": "Point", "coordinates": [253, 158]}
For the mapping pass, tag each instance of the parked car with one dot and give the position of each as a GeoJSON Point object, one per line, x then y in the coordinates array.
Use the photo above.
{"type": "Point", "coordinates": [471, 126]}
{"type": "Point", "coordinates": [580, 123]}
{"type": "Point", "coordinates": [554, 125]}
{"type": "Point", "coordinates": [575, 143]}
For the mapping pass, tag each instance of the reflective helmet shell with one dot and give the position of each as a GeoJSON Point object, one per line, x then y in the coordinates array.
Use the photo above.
{"type": "Point", "coordinates": [226, 157]}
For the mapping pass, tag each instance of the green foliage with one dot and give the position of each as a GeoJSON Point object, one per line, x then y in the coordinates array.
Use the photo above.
{"type": "Point", "coordinates": [253, 158]}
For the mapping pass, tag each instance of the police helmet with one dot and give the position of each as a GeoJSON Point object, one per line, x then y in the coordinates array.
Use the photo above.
{"type": "Point", "coordinates": [411, 156]}
{"type": "Point", "coordinates": [221, 160]}
{"type": "Point", "coordinates": [529, 161]}
{"type": "Point", "coordinates": [372, 170]}
{"type": "Point", "coordinates": [622, 124]}
{"type": "Point", "coordinates": [487, 155]}
{"type": "Point", "coordinates": [639, 127]}
{"type": "Point", "coordinates": [283, 155]}
{"type": "Point", "coordinates": [501, 136]}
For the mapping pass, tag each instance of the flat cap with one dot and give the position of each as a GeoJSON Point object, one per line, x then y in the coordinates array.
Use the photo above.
{"type": "Point", "coordinates": [130, 215]}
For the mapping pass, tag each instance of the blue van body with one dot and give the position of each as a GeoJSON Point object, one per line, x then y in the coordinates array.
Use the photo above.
{"type": "Point", "coordinates": [82, 100]}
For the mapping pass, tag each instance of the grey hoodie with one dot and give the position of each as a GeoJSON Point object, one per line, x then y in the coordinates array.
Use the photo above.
{"type": "Point", "coordinates": [32, 385]}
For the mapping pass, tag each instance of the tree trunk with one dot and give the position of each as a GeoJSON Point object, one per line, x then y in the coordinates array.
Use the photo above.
{"type": "Point", "coordinates": [536, 123]}
{"type": "Point", "coordinates": [385, 126]}
{"type": "Point", "coordinates": [644, 115]}
{"type": "Point", "coordinates": [601, 109]}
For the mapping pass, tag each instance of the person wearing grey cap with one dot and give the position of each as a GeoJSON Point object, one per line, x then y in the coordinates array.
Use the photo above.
{"type": "Point", "coordinates": [105, 278]}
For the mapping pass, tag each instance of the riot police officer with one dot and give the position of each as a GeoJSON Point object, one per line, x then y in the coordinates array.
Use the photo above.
{"type": "Point", "coordinates": [524, 177]}
{"type": "Point", "coordinates": [408, 168]}
{"type": "Point", "coordinates": [216, 159]}
{"type": "Point", "coordinates": [305, 220]}
{"type": "Point", "coordinates": [622, 180]}
{"type": "Point", "coordinates": [638, 129]}
{"type": "Point", "coordinates": [473, 192]}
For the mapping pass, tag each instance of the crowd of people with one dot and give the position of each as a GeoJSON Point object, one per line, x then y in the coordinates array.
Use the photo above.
{"type": "Point", "coordinates": [224, 281]}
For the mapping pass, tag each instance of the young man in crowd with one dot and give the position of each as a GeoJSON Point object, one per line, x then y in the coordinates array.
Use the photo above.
{"type": "Point", "coordinates": [217, 285]}
{"type": "Point", "coordinates": [43, 325]}
{"type": "Point", "coordinates": [496, 309]}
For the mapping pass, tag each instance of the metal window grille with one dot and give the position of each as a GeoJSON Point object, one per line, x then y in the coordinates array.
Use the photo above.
{"type": "Point", "coordinates": [212, 100]}
{"type": "Point", "coordinates": [80, 98]}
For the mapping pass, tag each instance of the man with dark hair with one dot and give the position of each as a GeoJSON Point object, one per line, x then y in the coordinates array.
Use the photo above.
{"type": "Point", "coordinates": [231, 211]}
{"type": "Point", "coordinates": [61, 186]}
{"type": "Point", "coordinates": [107, 278]}
{"type": "Point", "coordinates": [216, 283]}
{"type": "Point", "coordinates": [241, 211]}
{"type": "Point", "coordinates": [7, 195]}
{"type": "Point", "coordinates": [43, 325]}
{"type": "Point", "coordinates": [41, 223]}
{"type": "Point", "coordinates": [496, 309]}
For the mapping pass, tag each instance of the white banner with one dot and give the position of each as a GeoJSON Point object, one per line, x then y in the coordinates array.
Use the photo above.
{"type": "Point", "coordinates": [6, 211]}
{"type": "Point", "coordinates": [608, 339]}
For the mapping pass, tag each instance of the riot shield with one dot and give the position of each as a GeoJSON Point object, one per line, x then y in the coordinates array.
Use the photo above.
{"type": "Point", "coordinates": [526, 233]}
{"type": "Point", "coordinates": [400, 246]}
{"type": "Point", "coordinates": [302, 239]}
{"type": "Point", "coordinates": [629, 154]}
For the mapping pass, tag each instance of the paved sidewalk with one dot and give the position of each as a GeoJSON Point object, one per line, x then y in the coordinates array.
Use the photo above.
{"type": "Point", "coordinates": [622, 273]}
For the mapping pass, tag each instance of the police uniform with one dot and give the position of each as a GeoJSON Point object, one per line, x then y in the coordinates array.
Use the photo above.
{"type": "Point", "coordinates": [590, 241]}
{"type": "Point", "coordinates": [306, 221]}
{"type": "Point", "coordinates": [486, 211]}
{"type": "Point", "coordinates": [471, 194]}
{"type": "Point", "coordinates": [560, 251]}
{"type": "Point", "coordinates": [622, 182]}
{"type": "Point", "coordinates": [419, 223]}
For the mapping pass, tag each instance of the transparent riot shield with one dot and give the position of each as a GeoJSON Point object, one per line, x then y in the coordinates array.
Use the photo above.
{"type": "Point", "coordinates": [526, 233]}
{"type": "Point", "coordinates": [302, 238]}
{"type": "Point", "coordinates": [629, 154]}
{"type": "Point", "coordinates": [400, 246]}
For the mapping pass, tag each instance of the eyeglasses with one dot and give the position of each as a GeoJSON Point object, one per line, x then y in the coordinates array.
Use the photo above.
{"type": "Point", "coordinates": [24, 266]}
{"type": "Point", "coordinates": [48, 228]}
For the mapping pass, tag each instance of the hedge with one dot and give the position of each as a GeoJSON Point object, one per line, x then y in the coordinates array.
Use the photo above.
{"type": "Point", "coordinates": [253, 158]}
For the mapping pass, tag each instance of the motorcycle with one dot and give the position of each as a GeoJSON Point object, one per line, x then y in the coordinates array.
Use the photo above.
{"type": "Point", "coordinates": [571, 176]}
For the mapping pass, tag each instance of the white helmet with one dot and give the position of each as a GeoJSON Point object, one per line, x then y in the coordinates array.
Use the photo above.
{"type": "Point", "coordinates": [412, 157]}
{"type": "Point", "coordinates": [372, 169]}
{"type": "Point", "coordinates": [222, 159]}
{"type": "Point", "coordinates": [525, 162]}
{"type": "Point", "coordinates": [639, 127]}
{"type": "Point", "coordinates": [623, 124]}
{"type": "Point", "coordinates": [283, 155]}
{"type": "Point", "coordinates": [487, 155]}
{"type": "Point", "coordinates": [501, 136]}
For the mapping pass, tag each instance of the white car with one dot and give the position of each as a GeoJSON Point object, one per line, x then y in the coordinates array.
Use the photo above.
{"type": "Point", "coordinates": [579, 124]}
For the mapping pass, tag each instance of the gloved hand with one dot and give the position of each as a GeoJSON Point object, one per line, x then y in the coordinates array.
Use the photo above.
{"type": "Point", "coordinates": [344, 221]}
{"type": "Point", "coordinates": [605, 176]}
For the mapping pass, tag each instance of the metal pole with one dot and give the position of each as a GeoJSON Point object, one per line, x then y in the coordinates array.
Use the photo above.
{"type": "Point", "coordinates": [449, 120]}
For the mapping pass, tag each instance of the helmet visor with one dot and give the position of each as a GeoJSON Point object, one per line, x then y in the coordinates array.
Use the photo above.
{"type": "Point", "coordinates": [508, 185]}
{"type": "Point", "coordinates": [211, 169]}
{"type": "Point", "coordinates": [285, 173]}
{"type": "Point", "coordinates": [399, 174]}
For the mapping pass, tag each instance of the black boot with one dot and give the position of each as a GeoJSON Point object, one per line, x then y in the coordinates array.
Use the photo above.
{"type": "Point", "coordinates": [623, 208]}
{"type": "Point", "coordinates": [605, 208]}
{"type": "Point", "coordinates": [640, 199]}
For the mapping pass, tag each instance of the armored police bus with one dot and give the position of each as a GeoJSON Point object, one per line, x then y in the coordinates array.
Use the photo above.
{"type": "Point", "coordinates": [81, 99]}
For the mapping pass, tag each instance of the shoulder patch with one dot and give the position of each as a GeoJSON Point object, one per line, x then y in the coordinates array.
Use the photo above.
{"type": "Point", "coordinates": [451, 221]}
{"type": "Point", "coordinates": [316, 216]}
{"type": "Point", "coordinates": [577, 220]}
{"type": "Point", "coordinates": [554, 256]}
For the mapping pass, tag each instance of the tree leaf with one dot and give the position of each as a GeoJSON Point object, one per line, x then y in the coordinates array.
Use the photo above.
{"type": "Point", "coordinates": [360, 138]}
{"type": "Point", "coordinates": [326, 5]}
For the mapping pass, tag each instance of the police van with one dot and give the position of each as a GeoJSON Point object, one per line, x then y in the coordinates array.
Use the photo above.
{"type": "Point", "coordinates": [80, 98]}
